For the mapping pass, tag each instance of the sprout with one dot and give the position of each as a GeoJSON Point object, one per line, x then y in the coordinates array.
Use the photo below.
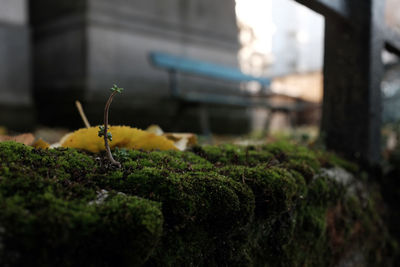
{"type": "Point", "coordinates": [103, 128]}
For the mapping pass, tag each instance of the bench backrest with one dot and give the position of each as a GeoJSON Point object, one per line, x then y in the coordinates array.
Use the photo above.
{"type": "Point", "coordinates": [201, 68]}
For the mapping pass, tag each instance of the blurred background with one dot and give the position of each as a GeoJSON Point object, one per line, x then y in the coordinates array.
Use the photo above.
{"type": "Point", "coordinates": [53, 53]}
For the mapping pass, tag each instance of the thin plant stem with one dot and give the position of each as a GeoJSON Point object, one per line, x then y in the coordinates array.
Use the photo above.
{"type": "Point", "coordinates": [107, 107]}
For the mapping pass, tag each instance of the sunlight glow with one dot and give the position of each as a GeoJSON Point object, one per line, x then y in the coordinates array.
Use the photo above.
{"type": "Point", "coordinates": [256, 30]}
{"type": "Point", "coordinates": [281, 38]}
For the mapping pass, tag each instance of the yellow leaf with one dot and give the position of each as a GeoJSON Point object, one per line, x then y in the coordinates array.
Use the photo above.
{"type": "Point", "coordinates": [122, 137]}
{"type": "Point", "coordinates": [3, 130]}
{"type": "Point", "coordinates": [40, 143]}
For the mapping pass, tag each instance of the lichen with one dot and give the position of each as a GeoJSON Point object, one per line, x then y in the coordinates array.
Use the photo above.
{"type": "Point", "coordinates": [227, 205]}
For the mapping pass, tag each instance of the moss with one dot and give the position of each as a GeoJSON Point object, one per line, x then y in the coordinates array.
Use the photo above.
{"type": "Point", "coordinates": [173, 160]}
{"type": "Point", "coordinates": [48, 220]}
{"type": "Point", "coordinates": [365, 228]}
{"type": "Point", "coordinates": [323, 191]}
{"type": "Point", "coordinates": [276, 190]}
{"type": "Point", "coordinates": [329, 159]}
{"type": "Point", "coordinates": [295, 236]}
{"type": "Point", "coordinates": [47, 230]}
{"type": "Point", "coordinates": [232, 154]}
{"type": "Point", "coordinates": [294, 157]}
{"type": "Point", "coordinates": [194, 203]}
{"type": "Point", "coordinates": [212, 206]}
{"type": "Point", "coordinates": [309, 245]}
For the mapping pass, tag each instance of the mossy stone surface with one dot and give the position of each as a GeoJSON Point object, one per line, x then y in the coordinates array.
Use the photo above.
{"type": "Point", "coordinates": [212, 206]}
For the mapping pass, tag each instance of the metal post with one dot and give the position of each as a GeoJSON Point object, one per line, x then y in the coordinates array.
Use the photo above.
{"type": "Point", "coordinates": [173, 83]}
{"type": "Point", "coordinates": [351, 118]}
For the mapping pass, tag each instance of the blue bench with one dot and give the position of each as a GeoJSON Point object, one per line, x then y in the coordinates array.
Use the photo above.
{"type": "Point", "coordinates": [178, 64]}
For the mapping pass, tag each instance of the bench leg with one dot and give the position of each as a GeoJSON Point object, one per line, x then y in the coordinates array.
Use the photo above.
{"type": "Point", "coordinates": [204, 120]}
{"type": "Point", "coordinates": [202, 114]}
{"type": "Point", "coordinates": [177, 116]}
{"type": "Point", "coordinates": [289, 118]}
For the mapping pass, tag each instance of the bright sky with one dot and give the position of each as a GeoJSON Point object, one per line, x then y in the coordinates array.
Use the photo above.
{"type": "Point", "coordinates": [258, 15]}
{"type": "Point", "coordinates": [282, 29]}
{"type": "Point", "coordinates": [280, 37]}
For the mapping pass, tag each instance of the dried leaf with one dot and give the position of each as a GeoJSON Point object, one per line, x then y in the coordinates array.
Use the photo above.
{"type": "Point", "coordinates": [176, 137]}
{"type": "Point", "coordinates": [123, 137]}
{"type": "Point", "coordinates": [181, 140]}
{"type": "Point", "coordinates": [26, 138]}
{"type": "Point", "coordinates": [155, 129]}
{"type": "Point", "coordinates": [51, 135]}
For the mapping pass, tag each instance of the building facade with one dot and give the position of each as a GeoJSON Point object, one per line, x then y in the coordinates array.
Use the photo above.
{"type": "Point", "coordinates": [80, 48]}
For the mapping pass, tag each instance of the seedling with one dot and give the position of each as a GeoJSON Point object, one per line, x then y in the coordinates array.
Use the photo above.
{"type": "Point", "coordinates": [104, 128]}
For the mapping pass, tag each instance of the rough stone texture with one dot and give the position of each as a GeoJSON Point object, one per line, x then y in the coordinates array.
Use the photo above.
{"type": "Point", "coordinates": [83, 47]}
{"type": "Point", "coordinates": [15, 95]}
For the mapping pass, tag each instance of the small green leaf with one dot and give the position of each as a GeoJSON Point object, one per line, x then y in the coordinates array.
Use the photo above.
{"type": "Point", "coordinates": [121, 153]}
{"type": "Point", "coordinates": [115, 88]}
{"type": "Point", "coordinates": [109, 136]}
{"type": "Point", "coordinates": [101, 131]}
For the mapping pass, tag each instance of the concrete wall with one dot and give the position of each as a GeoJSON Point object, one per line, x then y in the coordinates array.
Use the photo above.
{"type": "Point", "coordinates": [119, 48]}
{"type": "Point", "coordinates": [88, 47]}
{"type": "Point", "coordinates": [13, 11]}
{"type": "Point", "coordinates": [15, 93]}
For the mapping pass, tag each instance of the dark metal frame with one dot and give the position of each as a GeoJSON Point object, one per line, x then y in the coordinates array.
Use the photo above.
{"type": "Point", "coordinates": [355, 35]}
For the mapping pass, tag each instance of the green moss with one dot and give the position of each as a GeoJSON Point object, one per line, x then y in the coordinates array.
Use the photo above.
{"type": "Point", "coordinates": [329, 159]}
{"type": "Point", "coordinates": [232, 154]}
{"type": "Point", "coordinates": [47, 218]}
{"type": "Point", "coordinates": [276, 190]}
{"type": "Point", "coordinates": [194, 203]}
{"type": "Point", "coordinates": [309, 246]}
{"type": "Point", "coordinates": [212, 206]}
{"type": "Point", "coordinates": [47, 230]}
